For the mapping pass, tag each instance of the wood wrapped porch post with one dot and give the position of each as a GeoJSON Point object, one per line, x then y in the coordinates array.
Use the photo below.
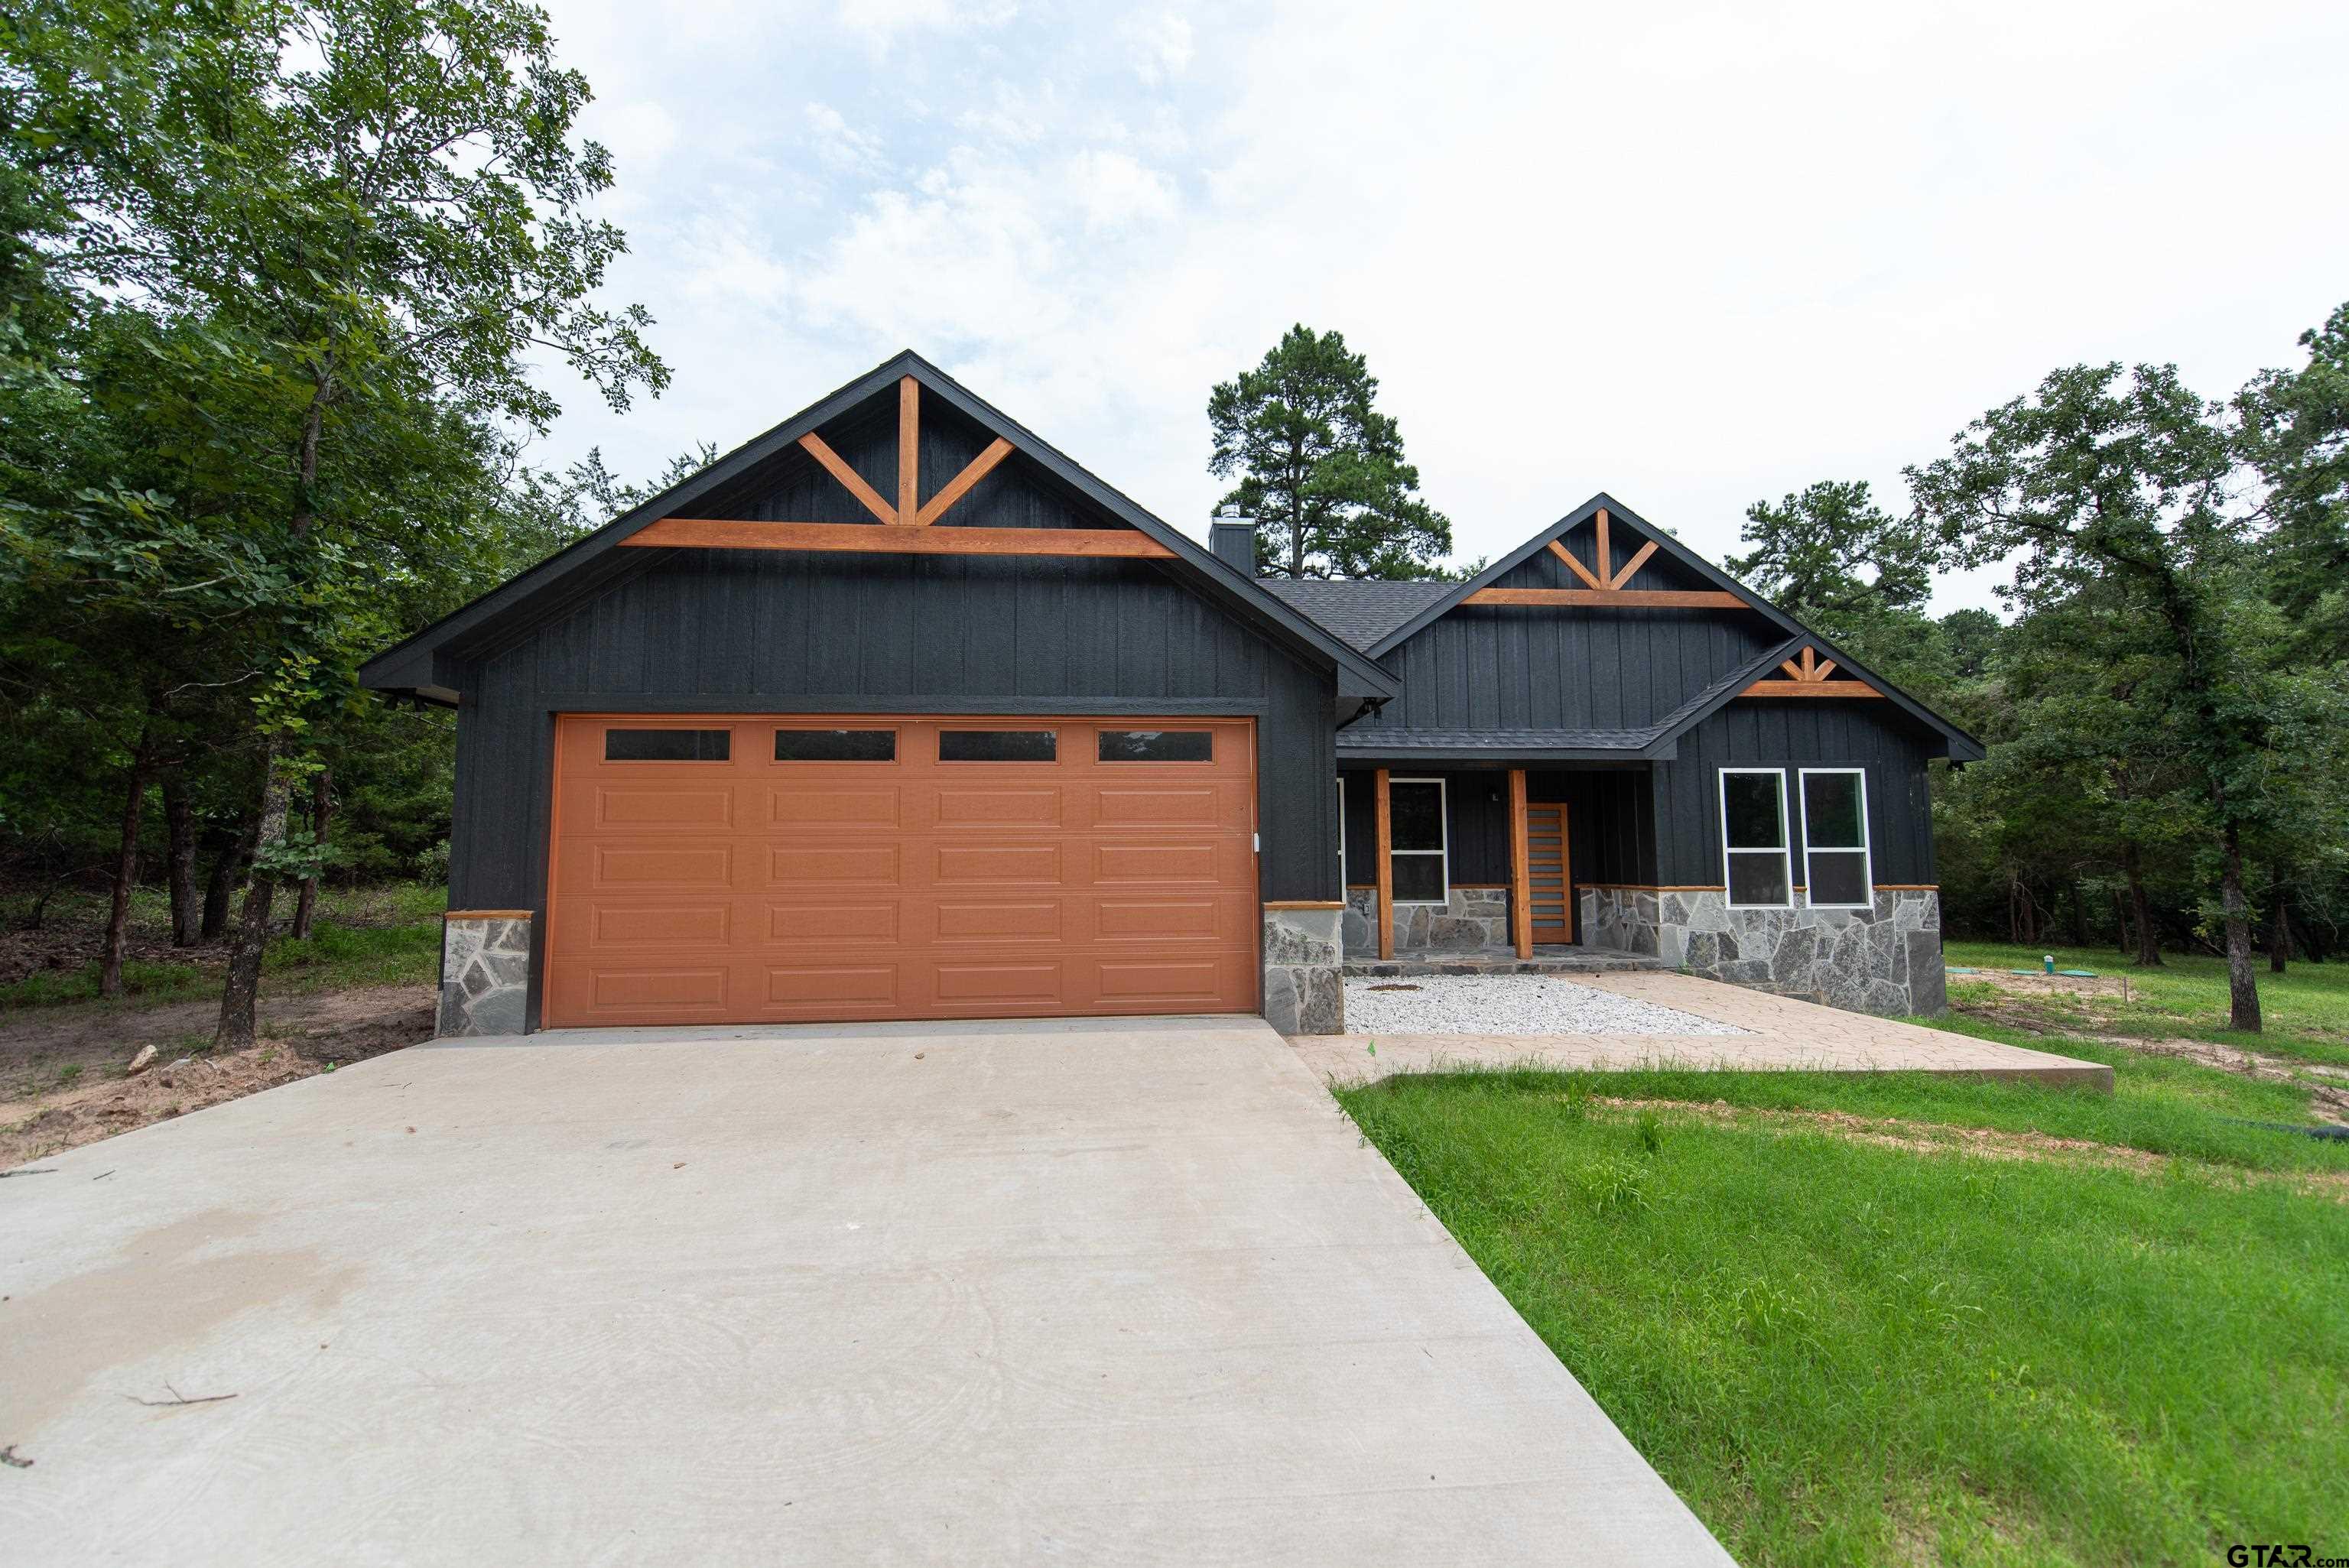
{"type": "Point", "coordinates": [1521, 905]}
{"type": "Point", "coordinates": [1386, 870]}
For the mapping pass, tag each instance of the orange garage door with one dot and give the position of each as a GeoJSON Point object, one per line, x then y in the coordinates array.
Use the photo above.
{"type": "Point", "coordinates": [733, 870]}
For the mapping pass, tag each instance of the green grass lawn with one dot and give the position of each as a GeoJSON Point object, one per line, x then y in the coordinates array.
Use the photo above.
{"type": "Point", "coordinates": [2305, 1010]}
{"type": "Point", "coordinates": [383, 936]}
{"type": "Point", "coordinates": [1840, 1352]}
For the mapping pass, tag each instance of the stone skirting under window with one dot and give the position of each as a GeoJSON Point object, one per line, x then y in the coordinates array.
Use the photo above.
{"type": "Point", "coordinates": [1885, 960]}
{"type": "Point", "coordinates": [1304, 990]}
{"type": "Point", "coordinates": [1473, 917]}
{"type": "Point", "coordinates": [484, 972]}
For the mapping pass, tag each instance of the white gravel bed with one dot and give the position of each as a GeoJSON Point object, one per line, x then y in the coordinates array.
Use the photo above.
{"type": "Point", "coordinates": [1510, 1004]}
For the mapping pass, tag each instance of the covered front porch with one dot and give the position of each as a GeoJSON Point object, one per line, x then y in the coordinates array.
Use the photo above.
{"type": "Point", "coordinates": [1515, 866]}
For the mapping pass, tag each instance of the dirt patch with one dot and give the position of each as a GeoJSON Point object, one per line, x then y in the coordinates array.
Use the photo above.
{"type": "Point", "coordinates": [61, 1082]}
{"type": "Point", "coordinates": [1988, 1143]}
{"type": "Point", "coordinates": [2328, 1087]}
{"type": "Point", "coordinates": [2116, 987]}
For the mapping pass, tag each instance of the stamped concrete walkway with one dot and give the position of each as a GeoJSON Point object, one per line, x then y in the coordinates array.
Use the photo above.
{"type": "Point", "coordinates": [1089, 1291]}
{"type": "Point", "coordinates": [1786, 1034]}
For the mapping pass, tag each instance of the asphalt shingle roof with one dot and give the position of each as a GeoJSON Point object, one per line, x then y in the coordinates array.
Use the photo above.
{"type": "Point", "coordinates": [1359, 613]}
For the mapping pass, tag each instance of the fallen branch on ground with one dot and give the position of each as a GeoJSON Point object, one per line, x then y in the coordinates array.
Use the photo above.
{"type": "Point", "coordinates": [177, 1399]}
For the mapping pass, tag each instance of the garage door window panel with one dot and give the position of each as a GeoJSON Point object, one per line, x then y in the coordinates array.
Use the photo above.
{"type": "Point", "coordinates": [835, 746]}
{"type": "Point", "coordinates": [1155, 745]}
{"type": "Point", "coordinates": [998, 745]}
{"type": "Point", "coordinates": [668, 745]}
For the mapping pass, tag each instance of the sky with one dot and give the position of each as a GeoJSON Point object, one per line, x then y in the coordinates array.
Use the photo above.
{"type": "Point", "coordinates": [1692, 255]}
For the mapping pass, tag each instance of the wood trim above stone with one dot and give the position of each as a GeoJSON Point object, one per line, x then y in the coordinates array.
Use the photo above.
{"type": "Point", "coordinates": [489, 915]}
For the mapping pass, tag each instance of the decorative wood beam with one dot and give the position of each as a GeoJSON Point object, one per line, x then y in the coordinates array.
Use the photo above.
{"type": "Point", "coordinates": [1521, 880]}
{"type": "Point", "coordinates": [1811, 688]}
{"type": "Point", "coordinates": [1563, 553]}
{"type": "Point", "coordinates": [1633, 564]}
{"type": "Point", "coordinates": [1386, 867]}
{"type": "Point", "coordinates": [1610, 598]}
{"type": "Point", "coordinates": [849, 476]}
{"type": "Point", "coordinates": [977, 469]}
{"type": "Point", "coordinates": [1606, 571]}
{"type": "Point", "coordinates": [730, 534]}
{"type": "Point", "coordinates": [910, 449]}
{"type": "Point", "coordinates": [1793, 671]}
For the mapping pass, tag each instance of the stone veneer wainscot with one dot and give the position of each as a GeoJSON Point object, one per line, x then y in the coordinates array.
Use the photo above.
{"type": "Point", "coordinates": [484, 972]}
{"type": "Point", "coordinates": [1304, 989]}
{"type": "Point", "coordinates": [1473, 917]}
{"type": "Point", "coordinates": [1886, 959]}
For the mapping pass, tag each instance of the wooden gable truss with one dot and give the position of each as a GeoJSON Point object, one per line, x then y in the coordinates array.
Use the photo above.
{"type": "Point", "coordinates": [904, 528]}
{"type": "Point", "coordinates": [1810, 676]}
{"type": "Point", "coordinates": [1604, 588]}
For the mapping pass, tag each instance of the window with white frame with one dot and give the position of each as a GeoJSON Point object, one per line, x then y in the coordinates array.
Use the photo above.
{"type": "Point", "coordinates": [1417, 840]}
{"type": "Point", "coordinates": [1757, 863]}
{"type": "Point", "coordinates": [1836, 866]}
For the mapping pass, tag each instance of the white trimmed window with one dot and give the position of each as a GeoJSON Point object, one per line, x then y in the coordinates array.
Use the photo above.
{"type": "Point", "coordinates": [1756, 863]}
{"type": "Point", "coordinates": [1418, 840]}
{"type": "Point", "coordinates": [1835, 865]}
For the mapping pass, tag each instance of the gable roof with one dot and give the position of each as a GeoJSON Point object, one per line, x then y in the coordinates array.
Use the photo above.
{"type": "Point", "coordinates": [1962, 746]}
{"type": "Point", "coordinates": [1361, 610]}
{"type": "Point", "coordinates": [594, 561]}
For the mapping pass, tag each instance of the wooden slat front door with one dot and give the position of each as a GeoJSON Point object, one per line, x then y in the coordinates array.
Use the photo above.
{"type": "Point", "coordinates": [1548, 874]}
{"type": "Point", "coordinates": [718, 884]}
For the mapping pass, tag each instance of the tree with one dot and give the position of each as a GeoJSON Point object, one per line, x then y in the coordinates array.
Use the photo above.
{"type": "Point", "coordinates": [338, 230]}
{"type": "Point", "coordinates": [1835, 560]}
{"type": "Point", "coordinates": [2119, 485]}
{"type": "Point", "coordinates": [1320, 468]}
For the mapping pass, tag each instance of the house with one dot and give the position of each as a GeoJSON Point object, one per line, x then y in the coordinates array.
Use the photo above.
{"type": "Point", "coordinates": [896, 712]}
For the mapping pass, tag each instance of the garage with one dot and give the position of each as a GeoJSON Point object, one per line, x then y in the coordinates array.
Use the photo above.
{"type": "Point", "coordinates": [750, 868]}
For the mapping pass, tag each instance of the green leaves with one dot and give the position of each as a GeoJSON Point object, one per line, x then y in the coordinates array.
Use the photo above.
{"type": "Point", "coordinates": [1319, 469]}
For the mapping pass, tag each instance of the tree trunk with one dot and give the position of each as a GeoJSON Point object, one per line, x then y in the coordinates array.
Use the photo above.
{"type": "Point", "coordinates": [180, 823]}
{"type": "Point", "coordinates": [2077, 933]}
{"type": "Point", "coordinates": [239, 997]}
{"type": "Point", "coordinates": [228, 875]}
{"type": "Point", "coordinates": [126, 868]}
{"type": "Point", "coordinates": [2242, 986]}
{"type": "Point", "coordinates": [2280, 929]}
{"type": "Point", "coordinates": [2148, 939]}
{"type": "Point", "coordinates": [322, 812]}
{"type": "Point", "coordinates": [2120, 924]}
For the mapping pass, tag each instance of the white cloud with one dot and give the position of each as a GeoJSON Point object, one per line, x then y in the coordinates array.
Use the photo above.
{"type": "Point", "coordinates": [884, 21]}
{"type": "Point", "coordinates": [1160, 44]}
{"type": "Point", "coordinates": [842, 146]}
{"type": "Point", "coordinates": [1690, 254]}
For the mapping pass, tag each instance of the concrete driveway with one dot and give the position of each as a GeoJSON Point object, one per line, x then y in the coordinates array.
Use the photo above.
{"type": "Point", "coordinates": [989, 1292]}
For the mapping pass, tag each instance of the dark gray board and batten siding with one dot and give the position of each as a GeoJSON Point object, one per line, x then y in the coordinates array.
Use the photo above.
{"type": "Point", "coordinates": [1794, 733]}
{"type": "Point", "coordinates": [1516, 667]}
{"type": "Point", "coordinates": [782, 631]}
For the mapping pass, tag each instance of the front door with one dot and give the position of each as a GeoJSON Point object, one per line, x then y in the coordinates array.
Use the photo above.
{"type": "Point", "coordinates": [1548, 880]}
